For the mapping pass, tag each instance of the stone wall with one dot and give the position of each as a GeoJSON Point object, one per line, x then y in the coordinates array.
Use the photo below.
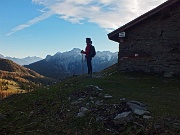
{"type": "Point", "coordinates": [153, 45]}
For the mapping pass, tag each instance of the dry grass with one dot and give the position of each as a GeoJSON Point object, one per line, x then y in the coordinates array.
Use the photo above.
{"type": "Point", "coordinates": [11, 88]}
{"type": "Point", "coordinates": [4, 94]}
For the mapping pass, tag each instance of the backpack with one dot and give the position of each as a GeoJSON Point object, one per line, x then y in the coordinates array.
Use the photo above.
{"type": "Point", "coordinates": [92, 51]}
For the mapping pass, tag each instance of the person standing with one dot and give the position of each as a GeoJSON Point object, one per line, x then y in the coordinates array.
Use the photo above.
{"type": "Point", "coordinates": [88, 56]}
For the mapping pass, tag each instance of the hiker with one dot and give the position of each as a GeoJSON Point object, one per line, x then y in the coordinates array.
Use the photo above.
{"type": "Point", "coordinates": [89, 54]}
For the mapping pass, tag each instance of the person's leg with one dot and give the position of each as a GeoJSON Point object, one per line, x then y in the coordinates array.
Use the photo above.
{"type": "Point", "coordinates": [89, 65]}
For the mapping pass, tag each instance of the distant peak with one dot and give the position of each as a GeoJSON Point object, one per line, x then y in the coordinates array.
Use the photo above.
{"type": "Point", "coordinates": [58, 53]}
{"type": "Point", "coordinates": [48, 57]}
{"type": "Point", "coordinates": [76, 50]}
{"type": "Point", "coordinates": [1, 56]}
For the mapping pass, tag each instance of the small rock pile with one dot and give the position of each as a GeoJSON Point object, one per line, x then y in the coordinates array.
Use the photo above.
{"type": "Point", "coordinates": [116, 117]}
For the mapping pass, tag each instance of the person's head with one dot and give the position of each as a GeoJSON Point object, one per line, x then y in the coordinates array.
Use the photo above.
{"type": "Point", "coordinates": [88, 41]}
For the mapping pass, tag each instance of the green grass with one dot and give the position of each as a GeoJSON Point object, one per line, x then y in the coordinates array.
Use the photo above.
{"type": "Point", "coordinates": [43, 112]}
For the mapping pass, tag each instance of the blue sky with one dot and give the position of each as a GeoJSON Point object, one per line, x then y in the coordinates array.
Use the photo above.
{"type": "Point", "coordinates": [45, 27]}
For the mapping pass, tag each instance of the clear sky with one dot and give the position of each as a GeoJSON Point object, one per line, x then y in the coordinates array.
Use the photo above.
{"type": "Point", "coordinates": [45, 27]}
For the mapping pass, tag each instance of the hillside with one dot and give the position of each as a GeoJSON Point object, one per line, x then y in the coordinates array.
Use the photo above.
{"type": "Point", "coordinates": [104, 105]}
{"type": "Point", "coordinates": [66, 64]}
{"type": "Point", "coordinates": [10, 66]}
{"type": "Point", "coordinates": [15, 78]}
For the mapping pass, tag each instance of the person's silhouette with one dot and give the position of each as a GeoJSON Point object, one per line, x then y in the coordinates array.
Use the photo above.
{"type": "Point", "coordinates": [88, 57]}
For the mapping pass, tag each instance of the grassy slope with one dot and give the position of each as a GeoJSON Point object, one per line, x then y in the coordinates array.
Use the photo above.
{"type": "Point", "coordinates": [12, 88]}
{"type": "Point", "coordinates": [44, 111]}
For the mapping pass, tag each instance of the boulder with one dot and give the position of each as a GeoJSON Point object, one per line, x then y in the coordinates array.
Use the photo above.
{"type": "Point", "coordinates": [76, 102]}
{"type": "Point", "coordinates": [136, 105]}
{"type": "Point", "coordinates": [94, 87]}
{"type": "Point", "coordinates": [107, 96]}
{"type": "Point", "coordinates": [147, 117]}
{"type": "Point", "coordinates": [123, 117]}
{"type": "Point", "coordinates": [80, 114]}
{"type": "Point", "coordinates": [140, 112]}
{"type": "Point", "coordinates": [83, 109]}
{"type": "Point", "coordinates": [168, 74]}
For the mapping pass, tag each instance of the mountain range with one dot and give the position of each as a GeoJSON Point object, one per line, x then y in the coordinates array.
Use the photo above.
{"type": "Point", "coordinates": [62, 65]}
{"type": "Point", "coordinates": [22, 61]}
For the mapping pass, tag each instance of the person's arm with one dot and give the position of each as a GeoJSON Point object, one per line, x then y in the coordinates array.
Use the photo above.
{"type": "Point", "coordinates": [87, 50]}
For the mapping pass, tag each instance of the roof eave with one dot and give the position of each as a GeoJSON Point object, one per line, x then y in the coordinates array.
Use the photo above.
{"type": "Point", "coordinates": [114, 34]}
